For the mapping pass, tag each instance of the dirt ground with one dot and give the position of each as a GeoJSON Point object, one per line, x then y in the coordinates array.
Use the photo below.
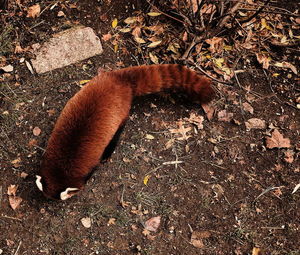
{"type": "Point", "coordinates": [219, 189]}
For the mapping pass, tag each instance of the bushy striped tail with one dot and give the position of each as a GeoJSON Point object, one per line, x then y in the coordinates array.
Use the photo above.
{"type": "Point", "coordinates": [155, 78]}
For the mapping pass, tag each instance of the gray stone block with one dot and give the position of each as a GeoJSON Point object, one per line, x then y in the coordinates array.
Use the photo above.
{"type": "Point", "coordinates": [65, 48]}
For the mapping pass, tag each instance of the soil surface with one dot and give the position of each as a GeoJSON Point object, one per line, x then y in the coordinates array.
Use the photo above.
{"type": "Point", "coordinates": [218, 189]}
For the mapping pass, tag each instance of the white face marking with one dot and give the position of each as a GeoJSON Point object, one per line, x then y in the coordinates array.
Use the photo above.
{"type": "Point", "coordinates": [64, 195]}
{"type": "Point", "coordinates": [38, 182]}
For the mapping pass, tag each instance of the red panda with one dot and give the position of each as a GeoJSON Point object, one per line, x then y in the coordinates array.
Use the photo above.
{"type": "Point", "coordinates": [91, 121]}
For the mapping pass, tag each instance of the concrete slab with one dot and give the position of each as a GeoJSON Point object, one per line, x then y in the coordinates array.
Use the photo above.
{"type": "Point", "coordinates": [65, 48]}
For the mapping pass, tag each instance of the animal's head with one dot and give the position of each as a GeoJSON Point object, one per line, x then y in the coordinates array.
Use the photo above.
{"type": "Point", "coordinates": [58, 189]}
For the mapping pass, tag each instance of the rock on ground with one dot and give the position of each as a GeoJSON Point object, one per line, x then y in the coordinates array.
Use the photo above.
{"type": "Point", "coordinates": [65, 48]}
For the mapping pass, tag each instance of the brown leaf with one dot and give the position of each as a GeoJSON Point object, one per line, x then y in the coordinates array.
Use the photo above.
{"type": "Point", "coordinates": [255, 124]}
{"type": "Point", "coordinates": [106, 37]}
{"type": "Point", "coordinates": [277, 141]}
{"type": "Point", "coordinates": [185, 36]}
{"type": "Point", "coordinates": [153, 223]}
{"type": "Point", "coordinates": [32, 143]}
{"type": "Point", "coordinates": [248, 108]}
{"type": "Point", "coordinates": [14, 202]}
{"type": "Point", "coordinates": [181, 130]}
{"type": "Point", "coordinates": [209, 110]}
{"type": "Point", "coordinates": [16, 162]}
{"type": "Point", "coordinates": [216, 44]}
{"type": "Point", "coordinates": [111, 221]}
{"type": "Point", "coordinates": [12, 189]}
{"type": "Point", "coordinates": [225, 116]}
{"type": "Point", "coordinates": [197, 238]}
{"type": "Point", "coordinates": [256, 251]}
{"type": "Point", "coordinates": [195, 6]}
{"type": "Point", "coordinates": [36, 131]}
{"type": "Point", "coordinates": [33, 11]}
{"type": "Point", "coordinates": [23, 175]}
{"type": "Point", "coordinates": [264, 60]}
{"type": "Point", "coordinates": [136, 32]}
{"type": "Point", "coordinates": [196, 120]}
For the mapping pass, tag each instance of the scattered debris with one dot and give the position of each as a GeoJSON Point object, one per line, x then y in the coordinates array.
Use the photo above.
{"type": "Point", "coordinates": [197, 238]}
{"type": "Point", "coordinates": [225, 116]}
{"type": "Point", "coordinates": [255, 123]}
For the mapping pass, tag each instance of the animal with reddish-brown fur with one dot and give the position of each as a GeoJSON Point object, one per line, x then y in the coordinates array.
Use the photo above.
{"type": "Point", "coordinates": [89, 124]}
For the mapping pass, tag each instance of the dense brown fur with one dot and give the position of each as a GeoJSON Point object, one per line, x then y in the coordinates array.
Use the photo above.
{"type": "Point", "coordinates": [92, 116]}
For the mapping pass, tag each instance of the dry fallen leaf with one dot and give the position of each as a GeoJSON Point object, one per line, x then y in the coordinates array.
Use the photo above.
{"type": "Point", "coordinates": [264, 60]}
{"type": "Point", "coordinates": [16, 162]}
{"type": "Point", "coordinates": [14, 202]}
{"type": "Point", "coordinates": [23, 175]}
{"type": "Point", "coordinates": [277, 141]}
{"type": "Point", "coordinates": [256, 251]}
{"type": "Point", "coordinates": [289, 156]}
{"type": "Point", "coordinates": [216, 44]}
{"type": "Point", "coordinates": [33, 11]}
{"type": "Point", "coordinates": [111, 221]}
{"type": "Point", "coordinates": [296, 188]}
{"type": "Point", "coordinates": [225, 116]}
{"type": "Point", "coordinates": [196, 120]}
{"type": "Point", "coordinates": [255, 124]}
{"type": "Point", "coordinates": [248, 108]}
{"type": "Point", "coordinates": [197, 238]}
{"type": "Point", "coordinates": [182, 131]}
{"type": "Point", "coordinates": [149, 137]}
{"type": "Point", "coordinates": [153, 224]}
{"type": "Point", "coordinates": [209, 110]}
{"type": "Point", "coordinates": [86, 222]}
{"type": "Point", "coordinates": [12, 189]}
{"type": "Point", "coordinates": [146, 179]}
{"type": "Point", "coordinates": [286, 65]}
{"type": "Point", "coordinates": [106, 37]}
{"type": "Point", "coordinates": [114, 23]}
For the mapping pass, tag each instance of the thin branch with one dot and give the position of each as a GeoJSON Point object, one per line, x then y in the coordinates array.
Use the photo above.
{"type": "Point", "coordinates": [208, 75]}
{"type": "Point", "coordinates": [167, 15]}
{"type": "Point", "coordinates": [195, 41]}
{"type": "Point", "coordinates": [229, 14]}
{"type": "Point", "coordinates": [256, 13]}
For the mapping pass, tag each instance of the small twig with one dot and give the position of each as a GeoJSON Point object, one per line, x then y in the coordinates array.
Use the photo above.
{"type": "Point", "coordinates": [195, 41]}
{"type": "Point", "coordinates": [122, 196]}
{"type": "Point", "coordinates": [18, 248]}
{"type": "Point", "coordinates": [175, 162]}
{"type": "Point", "coordinates": [229, 14]}
{"type": "Point", "coordinates": [167, 15]}
{"type": "Point", "coordinates": [273, 228]}
{"type": "Point", "coordinates": [11, 218]}
{"type": "Point", "coordinates": [273, 12]}
{"type": "Point", "coordinates": [269, 81]}
{"type": "Point", "coordinates": [237, 80]}
{"type": "Point", "coordinates": [1, 195]}
{"type": "Point", "coordinates": [256, 13]}
{"type": "Point", "coordinates": [268, 190]}
{"type": "Point", "coordinates": [212, 164]}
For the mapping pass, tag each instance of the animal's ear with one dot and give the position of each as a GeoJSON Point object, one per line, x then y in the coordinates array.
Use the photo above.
{"type": "Point", "coordinates": [69, 192]}
{"type": "Point", "coordinates": [38, 182]}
